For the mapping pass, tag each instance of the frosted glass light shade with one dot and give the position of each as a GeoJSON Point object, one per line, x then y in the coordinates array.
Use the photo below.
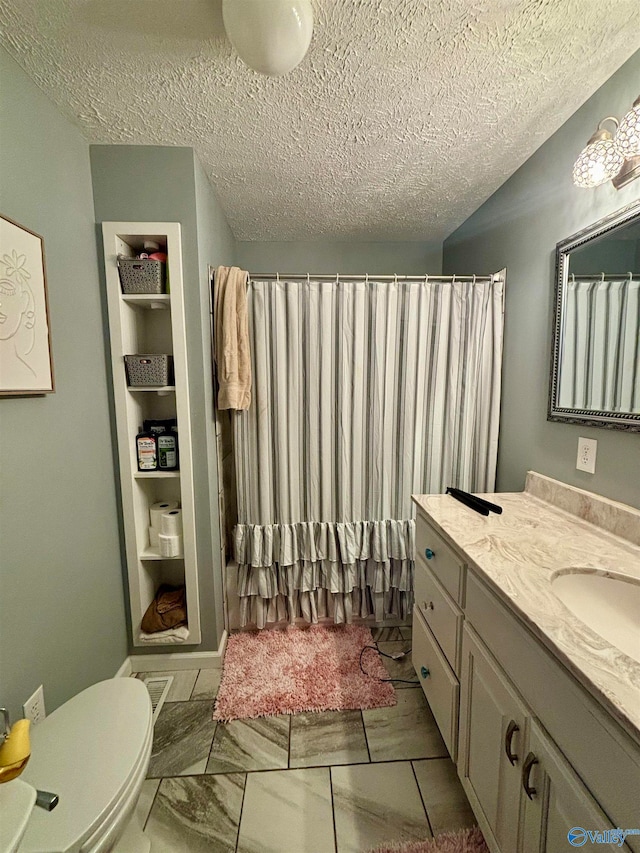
{"type": "Point", "coordinates": [628, 134]}
{"type": "Point", "coordinates": [600, 161]}
{"type": "Point", "coordinates": [270, 36]}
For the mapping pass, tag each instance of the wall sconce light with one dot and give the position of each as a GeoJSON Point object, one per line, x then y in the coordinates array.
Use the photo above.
{"type": "Point", "coordinates": [611, 158]}
{"type": "Point", "coordinates": [270, 36]}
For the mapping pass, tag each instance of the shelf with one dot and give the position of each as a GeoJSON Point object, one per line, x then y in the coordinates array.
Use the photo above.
{"type": "Point", "coordinates": [158, 389]}
{"type": "Point", "coordinates": [155, 475]}
{"type": "Point", "coordinates": [152, 554]}
{"type": "Point", "coordinates": [147, 300]}
{"type": "Point", "coordinates": [135, 328]}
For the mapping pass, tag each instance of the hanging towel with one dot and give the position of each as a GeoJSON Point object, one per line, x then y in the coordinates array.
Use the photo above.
{"type": "Point", "coordinates": [233, 361]}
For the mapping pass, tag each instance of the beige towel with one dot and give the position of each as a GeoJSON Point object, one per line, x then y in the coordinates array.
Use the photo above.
{"type": "Point", "coordinates": [233, 360]}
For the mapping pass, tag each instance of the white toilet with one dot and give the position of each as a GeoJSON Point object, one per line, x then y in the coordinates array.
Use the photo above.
{"type": "Point", "coordinates": [93, 752]}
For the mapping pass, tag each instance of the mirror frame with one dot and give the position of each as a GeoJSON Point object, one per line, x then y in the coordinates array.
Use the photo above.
{"type": "Point", "coordinates": [590, 417]}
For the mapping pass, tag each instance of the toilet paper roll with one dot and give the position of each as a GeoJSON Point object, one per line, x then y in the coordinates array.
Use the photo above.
{"type": "Point", "coordinates": [171, 523]}
{"type": "Point", "coordinates": [170, 546]}
{"type": "Point", "coordinates": [157, 510]}
{"type": "Point", "coordinates": [153, 538]}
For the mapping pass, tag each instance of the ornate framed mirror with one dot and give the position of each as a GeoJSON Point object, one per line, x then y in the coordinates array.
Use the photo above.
{"type": "Point", "coordinates": [595, 359]}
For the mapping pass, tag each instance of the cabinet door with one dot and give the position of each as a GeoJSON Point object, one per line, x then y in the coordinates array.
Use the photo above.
{"type": "Point", "coordinates": [492, 728]}
{"type": "Point", "coordinates": [555, 801]}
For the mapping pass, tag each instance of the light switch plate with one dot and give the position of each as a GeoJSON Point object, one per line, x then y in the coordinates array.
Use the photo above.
{"type": "Point", "coordinates": [587, 449]}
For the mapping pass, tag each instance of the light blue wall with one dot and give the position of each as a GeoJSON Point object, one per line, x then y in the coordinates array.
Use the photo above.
{"type": "Point", "coordinates": [216, 247]}
{"type": "Point", "coordinates": [518, 227]}
{"type": "Point", "coordinates": [347, 258]}
{"type": "Point", "coordinates": [136, 183]}
{"type": "Point", "coordinates": [62, 619]}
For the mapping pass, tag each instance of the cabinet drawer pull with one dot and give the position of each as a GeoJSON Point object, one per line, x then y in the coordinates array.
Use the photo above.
{"type": "Point", "coordinates": [424, 672]}
{"type": "Point", "coordinates": [512, 728]}
{"type": "Point", "coordinates": [427, 605]}
{"type": "Point", "coordinates": [529, 761]}
{"type": "Point", "coordinates": [429, 554]}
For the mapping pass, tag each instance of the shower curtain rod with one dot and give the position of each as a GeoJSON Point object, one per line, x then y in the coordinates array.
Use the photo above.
{"type": "Point", "coordinates": [325, 277]}
{"type": "Point", "coordinates": [603, 276]}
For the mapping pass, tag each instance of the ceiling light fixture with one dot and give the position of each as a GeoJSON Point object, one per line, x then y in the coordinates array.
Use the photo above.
{"type": "Point", "coordinates": [608, 158]}
{"type": "Point", "coordinates": [270, 36]}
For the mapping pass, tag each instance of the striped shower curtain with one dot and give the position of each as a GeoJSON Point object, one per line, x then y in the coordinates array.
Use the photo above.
{"type": "Point", "coordinates": [364, 392]}
{"type": "Point", "coordinates": [600, 358]}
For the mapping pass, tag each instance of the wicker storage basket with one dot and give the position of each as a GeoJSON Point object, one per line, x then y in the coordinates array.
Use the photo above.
{"type": "Point", "coordinates": [141, 275]}
{"type": "Point", "coordinates": [149, 369]}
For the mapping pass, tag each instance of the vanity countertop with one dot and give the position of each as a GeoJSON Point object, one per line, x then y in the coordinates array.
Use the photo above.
{"type": "Point", "coordinates": [549, 527]}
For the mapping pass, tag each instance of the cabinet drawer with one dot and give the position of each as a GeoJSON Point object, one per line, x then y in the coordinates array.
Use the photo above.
{"type": "Point", "coordinates": [438, 682]}
{"type": "Point", "coordinates": [442, 560]}
{"type": "Point", "coordinates": [439, 612]}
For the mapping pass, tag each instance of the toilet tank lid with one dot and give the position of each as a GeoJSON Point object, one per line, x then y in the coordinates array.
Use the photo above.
{"type": "Point", "coordinates": [86, 751]}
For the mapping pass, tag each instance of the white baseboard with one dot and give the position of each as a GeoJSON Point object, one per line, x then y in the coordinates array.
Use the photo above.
{"type": "Point", "coordinates": [125, 669]}
{"type": "Point", "coordinates": [179, 660]}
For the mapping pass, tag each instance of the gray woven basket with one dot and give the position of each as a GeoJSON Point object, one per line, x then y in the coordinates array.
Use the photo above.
{"type": "Point", "coordinates": [141, 275]}
{"type": "Point", "coordinates": [149, 369]}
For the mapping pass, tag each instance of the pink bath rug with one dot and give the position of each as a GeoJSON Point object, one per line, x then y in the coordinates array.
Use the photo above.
{"type": "Point", "coordinates": [465, 841]}
{"type": "Point", "coordinates": [300, 669]}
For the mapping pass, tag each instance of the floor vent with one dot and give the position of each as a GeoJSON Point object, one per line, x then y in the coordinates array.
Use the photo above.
{"type": "Point", "coordinates": [158, 689]}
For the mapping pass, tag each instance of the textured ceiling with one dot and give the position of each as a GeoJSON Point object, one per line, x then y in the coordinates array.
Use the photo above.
{"type": "Point", "coordinates": [404, 116]}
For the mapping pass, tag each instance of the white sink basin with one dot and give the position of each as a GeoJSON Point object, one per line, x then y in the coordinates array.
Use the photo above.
{"type": "Point", "coordinates": [608, 604]}
{"type": "Point", "coordinates": [17, 800]}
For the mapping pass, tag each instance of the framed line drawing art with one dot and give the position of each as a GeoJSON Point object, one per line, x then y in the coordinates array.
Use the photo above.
{"type": "Point", "coordinates": [26, 365]}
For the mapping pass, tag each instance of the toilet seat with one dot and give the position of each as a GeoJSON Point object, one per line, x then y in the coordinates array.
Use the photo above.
{"type": "Point", "coordinates": [93, 752]}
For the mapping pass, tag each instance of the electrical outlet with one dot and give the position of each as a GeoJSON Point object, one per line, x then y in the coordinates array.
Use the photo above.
{"type": "Point", "coordinates": [587, 448]}
{"type": "Point", "coordinates": [33, 708]}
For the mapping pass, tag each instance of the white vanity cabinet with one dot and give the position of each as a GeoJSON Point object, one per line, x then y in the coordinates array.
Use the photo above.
{"type": "Point", "coordinates": [437, 627]}
{"type": "Point", "coordinates": [524, 792]}
{"type": "Point", "coordinates": [491, 752]}
{"type": "Point", "coordinates": [536, 754]}
{"type": "Point", "coordinates": [554, 799]}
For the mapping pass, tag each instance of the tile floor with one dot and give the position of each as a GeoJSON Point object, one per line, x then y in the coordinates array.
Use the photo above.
{"type": "Point", "coordinates": [337, 781]}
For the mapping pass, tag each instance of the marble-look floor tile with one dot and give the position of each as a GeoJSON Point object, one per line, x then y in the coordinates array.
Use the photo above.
{"type": "Point", "coordinates": [406, 632]}
{"type": "Point", "coordinates": [407, 730]}
{"type": "Point", "coordinates": [376, 803]}
{"type": "Point", "coordinates": [183, 681]}
{"type": "Point", "coordinates": [196, 814]}
{"type": "Point", "coordinates": [386, 634]}
{"type": "Point", "coordinates": [181, 739]}
{"type": "Point", "coordinates": [147, 796]}
{"type": "Point", "coordinates": [403, 668]}
{"type": "Point", "coordinates": [261, 744]}
{"type": "Point", "coordinates": [443, 796]}
{"type": "Point", "coordinates": [287, 811]}
{"type": "Point", "coordinates": [207, 684]}
{"type": "Point", "coordinates": [331, 737]}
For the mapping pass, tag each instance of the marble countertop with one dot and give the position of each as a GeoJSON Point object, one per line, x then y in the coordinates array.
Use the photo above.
{"type": "Point", "coordinates": [549, 527]}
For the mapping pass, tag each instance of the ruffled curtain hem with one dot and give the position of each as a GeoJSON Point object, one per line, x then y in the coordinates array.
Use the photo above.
{"type": "Point", "coordinates": [314, 570]}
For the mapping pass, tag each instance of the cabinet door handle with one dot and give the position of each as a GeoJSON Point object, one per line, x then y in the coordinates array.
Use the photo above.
{"type": "Point", "coordinates": [424, 672]}
{"type": "Point", "coordinates": [429, 554]}
{"type": "Point", "coordinates": [512, 728]}
{"type": "Point", "coordinates": [427, 605]}
{"type": "Point", "coordinates": [529, 761]}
